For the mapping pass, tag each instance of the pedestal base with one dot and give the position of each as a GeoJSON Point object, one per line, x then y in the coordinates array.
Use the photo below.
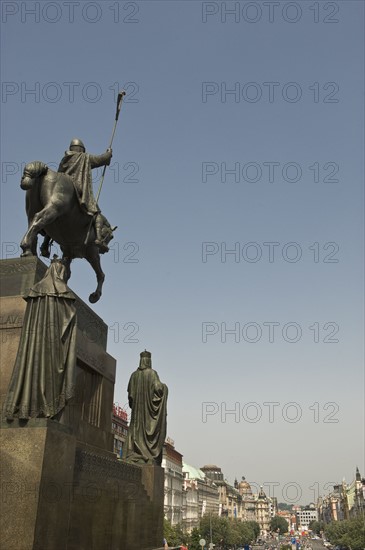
{"type": "Point", "coordinates": [36, 477]}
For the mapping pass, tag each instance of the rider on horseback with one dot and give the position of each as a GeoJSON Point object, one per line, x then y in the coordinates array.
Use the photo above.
{"type": "Point", "coordinates": [78, 164]}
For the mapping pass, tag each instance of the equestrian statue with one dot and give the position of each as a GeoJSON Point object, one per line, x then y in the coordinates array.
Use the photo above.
{"type": "Point", "coordinates": [61, 206]}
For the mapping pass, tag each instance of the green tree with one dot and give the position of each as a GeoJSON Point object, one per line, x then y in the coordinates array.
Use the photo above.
{"type": "Point", "coordinates": [173, 533]}
{"type": "Point", "coordinates": [316, 526]}
{"type": "Point", "coordinates": [348, 533]}
{"type": "Point", "coordinates": [194, 539]}
{"type": "Point", "coordinates": [255, 527]}
{"type": "Point", "coordinates": [221, 529]}
{"type": "Point", "coordinates": [284, 506]}
{"type": "Point", "coordinates": [227, 531]}
{"type": "Point", "coordinates": [277, 522]}
{"type": "Point", "coordinates": [243, 533]}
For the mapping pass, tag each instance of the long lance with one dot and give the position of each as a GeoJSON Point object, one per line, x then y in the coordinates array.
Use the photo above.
{"type": "Point", "coordinates": [119, 106]}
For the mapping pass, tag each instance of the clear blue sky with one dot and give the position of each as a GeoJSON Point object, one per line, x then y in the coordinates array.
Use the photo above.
{"type": "Point", "coordinates": [293, 131]}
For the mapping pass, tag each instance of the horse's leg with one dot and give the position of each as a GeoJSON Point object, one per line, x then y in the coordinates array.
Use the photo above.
{"type": "Point", "coordinates": [67, 262]}
{"type": "Point", "coordinates": [40, 220]}
{"type": "Point", "coordinates": [33, 247]}
{"type": "Point", "coordinates": [45, 247]}
{"type": "Point", "coordinates": [28, 246]}
{"type": "Point", "coordinates": [29, 242]}
{"type": "Point", "coordinates": [93, 257]}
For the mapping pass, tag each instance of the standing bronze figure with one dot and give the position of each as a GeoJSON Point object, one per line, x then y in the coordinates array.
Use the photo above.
{"type": "Point", "coordinates": [147, 398]}
{"type": "Point", "coordinates": [43, 377]}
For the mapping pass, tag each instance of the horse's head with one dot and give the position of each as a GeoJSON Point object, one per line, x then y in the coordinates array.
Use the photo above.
{"type": "Point", "coordinates": [32, 171]}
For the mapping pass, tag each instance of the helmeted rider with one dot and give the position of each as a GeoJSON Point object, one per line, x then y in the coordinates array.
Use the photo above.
{"type": "Point", "coordinates": [78, 165]}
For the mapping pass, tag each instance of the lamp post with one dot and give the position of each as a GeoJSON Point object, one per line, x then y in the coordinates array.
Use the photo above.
{"type": "Point", "coordinates": [210, 528]}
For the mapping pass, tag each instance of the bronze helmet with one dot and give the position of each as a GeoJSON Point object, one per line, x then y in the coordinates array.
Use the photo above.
{"type": "Point", "coordinates": [77, 143]}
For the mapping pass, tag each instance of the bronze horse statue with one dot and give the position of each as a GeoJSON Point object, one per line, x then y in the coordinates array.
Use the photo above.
{"type": "Point", "coordinates": [53, 209]}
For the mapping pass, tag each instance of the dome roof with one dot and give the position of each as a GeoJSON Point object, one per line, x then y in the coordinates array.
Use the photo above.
{"type": "Point", "coordinates": [244, 487]}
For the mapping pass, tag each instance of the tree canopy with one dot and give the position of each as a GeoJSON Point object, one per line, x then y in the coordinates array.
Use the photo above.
{"type": "Point", "coordinates": [284, 506]}
{"type": "Point", "coordinates": [228, 531]}
{"type": "Point", "coordinates": [347, 533]}
{"type": "Point", "coordinates": [278, 522]}
{"type": "Point", "coordinates": [173, 534]}
{"type": "Point", "coordinates": [224, 532]}
{"type": "Point", "coordinates": [316, 526]}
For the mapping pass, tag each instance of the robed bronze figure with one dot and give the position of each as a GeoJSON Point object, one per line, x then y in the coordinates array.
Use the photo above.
{"type": "Point", "coordinates": [78, 164]}
{"type": "Point", "coordinates": [43, 376]}
{"type": "Point", "coordinates": [147, 397]}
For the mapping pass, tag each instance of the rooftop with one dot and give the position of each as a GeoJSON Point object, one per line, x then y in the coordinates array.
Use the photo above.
{"type": "Point", "coordinates": [194, 473]}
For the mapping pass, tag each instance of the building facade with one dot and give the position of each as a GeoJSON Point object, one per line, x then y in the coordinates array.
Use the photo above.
{"type": "Point", "coordinates": [356, 496]}
{"type": "Point", "coordinates": [203, 495]}
{"type": "Point", "coordinates": [173, 499]}
{"type": "Point", "coordinates": [305, 516]}
{"type": "Point", "coordinates": [190, 511]}
{"type": "Point", "coordinates": [257, 507]}
{"type": "Point", "coordinates": [273, 506]}
{"type": "Point", "coordinates": [119, 429]}
{"type": "Point", "coordinates": [249, 501]}
{"type": "Point", "coordinates": [263, 515]}
{"type": "Point", "coordinates": [229, 498]}
{"type": "Point", "coordinates": [344, 502]}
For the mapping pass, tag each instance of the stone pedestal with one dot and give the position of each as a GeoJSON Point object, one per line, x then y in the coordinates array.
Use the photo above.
{"type": "Point", "coordinates": [62, 488]}
{"type": "Point", "coordinates": [153, 480]}
{"type": "Point", "coordinates": [36, 485]}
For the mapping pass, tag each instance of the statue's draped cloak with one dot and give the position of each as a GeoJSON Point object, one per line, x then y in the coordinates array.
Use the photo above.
{"type": "Point", "coordinates": [43, 377]}
{"type": "Point", "coordinates": [78, 166]}
{"type": "Point", "coordinates": [148, 401]}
